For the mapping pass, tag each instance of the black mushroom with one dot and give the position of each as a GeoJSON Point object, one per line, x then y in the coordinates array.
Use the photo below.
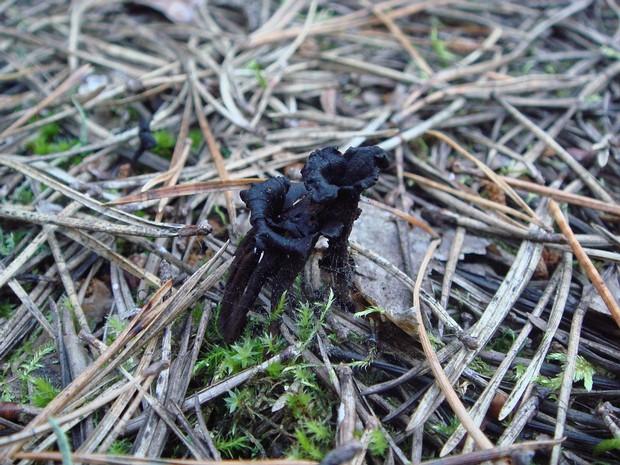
{"type": "Point", "coordinates": [287, 220]}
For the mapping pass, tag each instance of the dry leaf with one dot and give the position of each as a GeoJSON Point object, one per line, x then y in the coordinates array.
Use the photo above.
{"type": "Point", "coordinates": [376, 230]}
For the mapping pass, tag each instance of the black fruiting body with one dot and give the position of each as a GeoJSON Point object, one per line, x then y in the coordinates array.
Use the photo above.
{"type": "Point", "coordinates": [287, 220]}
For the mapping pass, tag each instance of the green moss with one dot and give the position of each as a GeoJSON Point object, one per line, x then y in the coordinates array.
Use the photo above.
{"type": "Point", "coordinates": [294, 413]}
{"type": "Point", "coordinates": [8, 241]}
{"type": "Point", "coordinates": [221, 361]}
{"type": "Point", "coordinates": [225, 151]}
{"type": "Point", "coordinates": [237, 399]}
{"type": "Point", "coordinates": [503, 342]}
{"type": "Point", "coordinates": [378, 444]}
{"type": "Point", "coordinates": [43, 392]}
{"type": "Point", "coordinates": [195, 134]}
{"type": "Point", "coordinates": [232, 444]}
{"type": "Point", "coordinates": [166, 141]}
{"type": "Point", "coordinates": [310, 317]}
{"type": "Point", "coordinates": [584, 371]}
{"type": "Point", "coordinates": [23, 194]}
{"type": "Point", "coordinates": [447, 428]}
{"type": "Point", "coordinates": [306, 447]}
{"type": "Point", "coordinates": [120, 447]}
{"type": "Point", "coordinates": [50, 140]}
{"type": "Point", "coordinates": [217, 210]}
{"type": "Point", "coordinates": [6, 309]}
{"type": "Point", "coordinates": [115, 327]}
{"type": "Point", "coordinates": [606, 446]}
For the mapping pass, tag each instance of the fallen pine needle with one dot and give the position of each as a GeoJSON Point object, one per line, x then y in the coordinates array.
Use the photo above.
{"type": "Point", "coordinates": [585, 262]}
{"type": "Point", "coordinates": [444, 383]}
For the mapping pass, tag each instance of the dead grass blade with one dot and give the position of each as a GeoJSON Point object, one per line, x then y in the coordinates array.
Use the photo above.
{"type": "Point", "coordinates": [185, 189]}
{"type": "Point", "coordinates": [63, 88]}
{"type": "Point", "coordinates": [400, 214]}
{"type": "Point", "coordinates": [103, 459]}
{"type": "Point", "coordinates": [491, 175]}
{"type": "Point", "coordinates": [585, 262]}
{"type": "Point", "coordinates": [224, 386]}
{"type": "Point", "coordinates": [563, 196]}
{"type": "Point", "coordinates": [551, 325]}
{"type": "Point", "coordinates": [216, 154]}
{"type": "Point", "coordinates": [566, 157]}
{"type": "Point", "coordinates": [442, 380]}
{"type": "Point", "coordinates": [497, 309]}
{"type": "Point", "coordinates": [73, 194]}
{"type": "Point", "coordinates": [469, 197]}
{"type": "Point", "coordinates": [39, 425]}
{"type": "Point", "coordinates": [94, 224]}
{"type": "Point", "coordinates": [480, 408]}
{"type": "Point", "coordinates": [495, 453]}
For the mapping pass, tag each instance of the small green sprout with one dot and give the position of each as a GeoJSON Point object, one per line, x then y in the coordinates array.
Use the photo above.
{"type": "Point", "coordinates": [610, 52]}
{"type": "Point", "coordinates": [195, 135]}
{"type": "Point", "coordinates": [221, 215]}
{"type": "Point", "coordinates": [307, 446]}
{"type": "Point", "coordinates": [258, 72]}
{"type": "Point", "coordinates": [6, 309]}
{"type": "Point", "coordinates": [115, 327]}
{"type": "Point", "coordinates": [503, 342]}
{"type": "Point", "coordinates": [370, 311]}
{"type": "Point", "coordinates": [34, 362]}
{"type": "Point", "coordinates": [279, 308]}
{"type": "Point", "coordinates": [444, 55]}
{"type": "Point", "coordinates": [481, 367]}
{"type": "Point", "coordinates": [62, 440]}
{"type": "Point", "coordinates": [23, 194]}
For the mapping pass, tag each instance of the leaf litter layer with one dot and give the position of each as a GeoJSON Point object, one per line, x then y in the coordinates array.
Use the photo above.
{"type": "Point", "coordinates": [486, 284]}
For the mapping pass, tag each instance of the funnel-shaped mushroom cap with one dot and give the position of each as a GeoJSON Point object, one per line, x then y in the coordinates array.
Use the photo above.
{"type": "Point", "coordinates": [328, 173]}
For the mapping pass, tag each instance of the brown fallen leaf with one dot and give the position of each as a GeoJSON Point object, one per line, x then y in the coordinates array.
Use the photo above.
{"type": "Point", "coordinates": [97, 303]}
